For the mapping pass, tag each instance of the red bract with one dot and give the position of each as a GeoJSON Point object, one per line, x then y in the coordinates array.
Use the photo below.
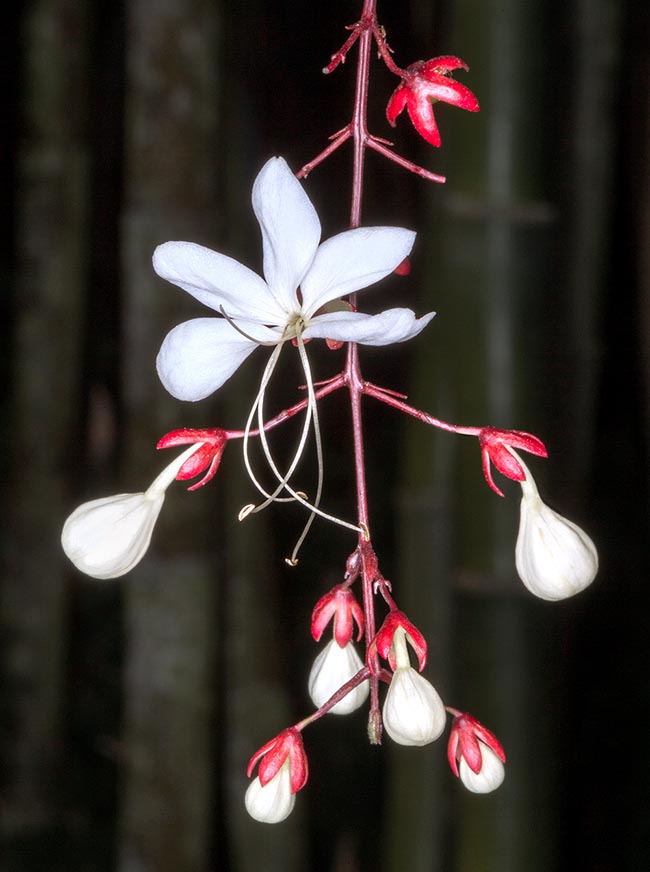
{"type": "Point", "coordinates": [273, 755]}
{"type": "Point", "coordinates": [495, 447]}
{"type": "Point", "coordinates": [208, 456]}
{"type": "Point", "coordinates": [382, 643]}
{"type": "Point", "coordinates": [425, 83]}
{"type": "Point", "coordinates": [341, 605]}
{"type": "Point", "coordinates": [466, 732]}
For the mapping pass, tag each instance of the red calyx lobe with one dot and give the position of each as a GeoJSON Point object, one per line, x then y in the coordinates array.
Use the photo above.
{"type": "Point", "coordinates": [341, 605]}
{"type": "Point", "coordinates": [495, 447]}
{"type": "Point", "coordinates": [466, 732]}
{"type": "Point", "coordinates": [273, 755]}
{"type": "Point", "coordinates": [382, 643]}
{"type": "Point", "coordinates": [427, 82]}
{"type": "Point", "coordinates": [206, 457]}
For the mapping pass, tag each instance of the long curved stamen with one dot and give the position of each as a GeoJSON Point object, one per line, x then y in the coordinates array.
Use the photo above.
{"type": "Point", "coordinates": [268, 372]}
{"type": "Point", "coordinates": [282, 479]}
{"type": "Point", "coordinates": [243, 332]}
{"type": "Point", "coordinates": [258, 405]}
{"type": "Point", "coordinates": [319, 447]}
{"type": "Point", "coordinates": [309, 414]}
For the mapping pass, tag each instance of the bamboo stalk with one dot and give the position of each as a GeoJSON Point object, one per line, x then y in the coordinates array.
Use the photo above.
{"type": "Point", "coordinates": [170, 184]}
{"type": "Point", "coordinates": [46, 348]}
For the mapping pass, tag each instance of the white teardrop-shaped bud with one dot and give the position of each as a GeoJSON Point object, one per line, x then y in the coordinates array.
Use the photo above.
{"type": "Point", "coordinates": [106, 538]}
{"type": "Point", "coordinates": [413, 712]}
{"type": "Point", "coordinates": [333, 668]}
{"type": "Point", "coordinates": [274, 801]}
{"type": "Point", "coordinates": [490, 775]}
{"type": "Point", "coordinates": [555, 559]}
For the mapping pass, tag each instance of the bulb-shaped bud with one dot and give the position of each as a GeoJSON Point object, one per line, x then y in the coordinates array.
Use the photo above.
{"type": "Point", "coordinates": [106, 538]}
{"type": "Point", "coordinates": [555, 559]}
{"type": "Point", "coordinates": [334, 667]}
{"type": "Point", "coordinates": [490, 775]}
{"type": "Point", "coordinates": [475, 754]}
{"type": "Point", "coordinates": [272, 802]}
{"type": "Point", "coordinates": [282, 772]}
{"type": "Point", "coordinates": [413, 712]}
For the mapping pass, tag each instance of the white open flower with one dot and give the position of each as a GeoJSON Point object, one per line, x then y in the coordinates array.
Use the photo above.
{"type": "Point", "coordinates": [332, 668]}
{"type": "Point", "coordinates": [555, 559]}
{"type": "Point", "coordinates": [490, 775]}
{"type": "Point", "coordinates": [413, 713]}
{"type": "Point", "coordinates": [274, 801]}
{"type": "Point", "coordinates": [301, 276]}
{"type": "Point", "coordinates": [106, 538]}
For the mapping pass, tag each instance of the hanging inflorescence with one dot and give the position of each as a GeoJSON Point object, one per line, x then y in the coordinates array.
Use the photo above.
{"type": "Point", "coordinates": [309, 292]}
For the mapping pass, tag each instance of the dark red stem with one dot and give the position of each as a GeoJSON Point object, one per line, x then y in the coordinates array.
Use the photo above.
{"type": "Point", "coordinates": [353, 377]}
{"type": "Point", "coordinates": [328, 388]}
{"type": "Point", "coordinates": [391, 399]}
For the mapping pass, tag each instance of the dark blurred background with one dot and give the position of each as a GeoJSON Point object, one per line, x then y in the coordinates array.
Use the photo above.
{"type": "Point", "coordinates": [129, 709]}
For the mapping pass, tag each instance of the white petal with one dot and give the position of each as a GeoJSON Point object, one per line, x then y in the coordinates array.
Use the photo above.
{"type": "Point", "coordinates": [353, 260]}
{"type": "Point", "coordinates": [490, 775]}
{"type": "Point", "coordinates": [273, 802]}
{"type": "Point", "coordinates": [413, 712]}
{"type": "Point", "coordinates": [105, 538]}
{"type": "Point", "coordinates": [198, 356]}
{"type": "Point", "coordinates": [290, 230]}
{"type": "Point", "coordinates": [217, 281]}
{"type": "Point", "coordinates": [393, 325]}
{"type": "Point", "coordinates": [333, 667]}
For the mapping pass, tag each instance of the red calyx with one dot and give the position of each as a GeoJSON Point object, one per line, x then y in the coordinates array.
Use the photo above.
{"type": "Point", "coordinates": [466, 732]}
{"type": "Point", "coordinates": [427, 82]}
{"type": "Point", "coordinates": [495, 447]}
{"type": "Point", "coordinates": [273, 755]}
{"type": "Point", "coordinates": [206, 457]}
{"type": "Point", "coordinates": [341, 605]}
{"type": "Point", "coordinates": [382, 643]}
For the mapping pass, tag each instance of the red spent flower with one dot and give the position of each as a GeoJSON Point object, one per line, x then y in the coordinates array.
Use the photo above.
{"type": "Point", "coordinates": [383, 641]}
{"type": "Point", "coordinates": [341, 605]}
{"type": "Point", "coordinates": [273, 755]}
{"type": "Point", "coordinates": [425, 83]}
{"type": "Point", "coordinates": [207, 457]}
{"type": "Point", "coordinates": [495, 447]}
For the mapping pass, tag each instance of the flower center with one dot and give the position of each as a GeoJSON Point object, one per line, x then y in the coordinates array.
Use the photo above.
{"type": "Point", "coordinates": [296, 324]}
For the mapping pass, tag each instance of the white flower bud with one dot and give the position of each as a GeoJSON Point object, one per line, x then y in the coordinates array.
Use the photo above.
{"type": "Point", "coordinates": [274, 802]}
{"type": "Point", "coordinates": [333, 667]}
{"type": "Point", "coordinates": [413, 712]}
{"type": "Point", "coordinates": [555, 559]}
{"type": "Point", "coordinates": [106, 538]}
{"type": "Point", "coordinates": [490, 775]}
